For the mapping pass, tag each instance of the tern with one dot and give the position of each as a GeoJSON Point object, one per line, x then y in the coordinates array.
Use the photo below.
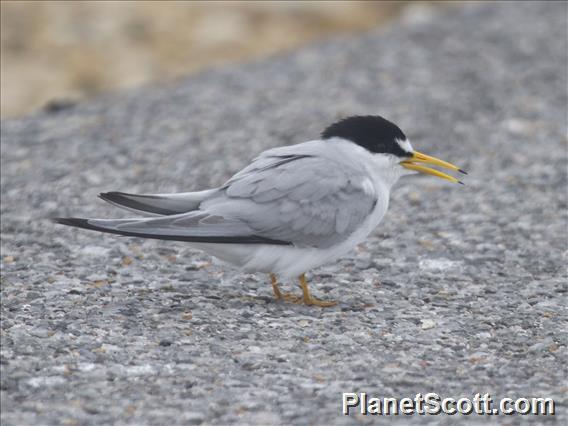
{"type": "Point", "coordinates": [293, 208]}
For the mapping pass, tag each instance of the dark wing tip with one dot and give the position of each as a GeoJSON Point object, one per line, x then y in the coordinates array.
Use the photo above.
{"type": "Point", "coordinates": [112, 196]}
{"type": "Point", "coordinates": [117, 196]}
{"type": "Point", "coordinates": [137, 202]}
{"type": "Point", "coordinates": [74, 221]}
{"type": "Point", "coordinates": [71, 221]}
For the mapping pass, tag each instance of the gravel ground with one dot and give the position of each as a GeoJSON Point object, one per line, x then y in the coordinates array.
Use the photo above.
{"type": "Point", "coordinates": [461, 289]}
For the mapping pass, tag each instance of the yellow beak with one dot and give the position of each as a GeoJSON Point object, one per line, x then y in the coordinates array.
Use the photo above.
{"type": "Point", "coordinates": [418, 157]}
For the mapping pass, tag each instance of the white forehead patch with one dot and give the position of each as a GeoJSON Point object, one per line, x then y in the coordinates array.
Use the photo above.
{"type": "Point", "coordinates": [405, 144]}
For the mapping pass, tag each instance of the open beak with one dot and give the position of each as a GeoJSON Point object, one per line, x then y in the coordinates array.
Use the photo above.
{"type": "Point", "coordinates": [417, 157]}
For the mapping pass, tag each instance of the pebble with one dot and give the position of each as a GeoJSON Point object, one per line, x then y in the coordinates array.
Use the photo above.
{"type": "Point", "coordinates": [427, 324]}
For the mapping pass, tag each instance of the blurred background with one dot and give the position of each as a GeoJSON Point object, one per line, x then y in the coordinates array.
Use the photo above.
{"type": "Point", "coordinates": [59, 51]}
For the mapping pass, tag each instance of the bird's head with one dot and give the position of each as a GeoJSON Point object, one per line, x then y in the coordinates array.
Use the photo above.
{"type": "Point", "coordinates": [386, 141]}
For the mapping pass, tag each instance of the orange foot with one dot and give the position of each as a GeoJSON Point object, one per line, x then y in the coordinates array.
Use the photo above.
{"type": "Point", "coordinates": [306, 298]}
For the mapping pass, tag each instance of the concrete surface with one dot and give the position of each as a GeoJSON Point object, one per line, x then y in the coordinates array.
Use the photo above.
{"type": "Point", "coordinates": [461, 290]}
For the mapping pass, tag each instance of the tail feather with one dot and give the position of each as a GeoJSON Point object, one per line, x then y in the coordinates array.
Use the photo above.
{"type": "Point", "coordinates": [157, 204]}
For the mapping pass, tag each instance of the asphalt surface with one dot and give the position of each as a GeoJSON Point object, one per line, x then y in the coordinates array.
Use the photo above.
{"type": "Point", "coordinates": [461, 290]}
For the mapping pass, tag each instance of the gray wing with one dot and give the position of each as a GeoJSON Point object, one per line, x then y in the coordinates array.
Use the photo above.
{"type": "Point", "coordinates": [304, 199]}
{"type": "Point", "coordinates": [289, 195]}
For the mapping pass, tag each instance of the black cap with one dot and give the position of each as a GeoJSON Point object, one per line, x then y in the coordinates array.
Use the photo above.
{"type": "Point", "coordinates": [372, 132]}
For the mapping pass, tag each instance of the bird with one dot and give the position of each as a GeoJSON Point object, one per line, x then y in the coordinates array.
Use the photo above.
{"type": "Point", "coordinates": [292, 209]}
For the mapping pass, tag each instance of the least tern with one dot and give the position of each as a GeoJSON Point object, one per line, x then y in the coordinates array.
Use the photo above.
{"type": "Point", "coordinates": [292, 209]}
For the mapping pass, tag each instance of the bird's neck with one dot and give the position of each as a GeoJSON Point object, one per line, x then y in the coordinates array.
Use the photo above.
{"type": "Point", "coordinates": [384, 173]}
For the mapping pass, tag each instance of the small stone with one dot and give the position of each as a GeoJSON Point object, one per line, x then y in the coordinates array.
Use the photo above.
{"type": "Point", "coordinates": [41, 332]}
{"type": "Point", "coordinates": [193, 418]}
{"type": "Point", "coordinates": [127, 261]}
{"type": "Point", "coordinates": [427, 324]}
{"type": "Point", "coordinates": [195, 266]}
{"type": "Point", "coordinates": [95, 251]}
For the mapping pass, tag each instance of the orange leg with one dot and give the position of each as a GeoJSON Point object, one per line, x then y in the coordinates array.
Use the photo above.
{"type": "Point", "coordinates": [309, 300]}
{"type": "Point", "coordinates": [289, 297]}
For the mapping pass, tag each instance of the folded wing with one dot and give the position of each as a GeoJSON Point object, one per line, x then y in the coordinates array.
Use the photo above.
{"type": "Point", "coordinates": [307, 200]}
{"type": "Point", "coordinates": [190, 227]}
